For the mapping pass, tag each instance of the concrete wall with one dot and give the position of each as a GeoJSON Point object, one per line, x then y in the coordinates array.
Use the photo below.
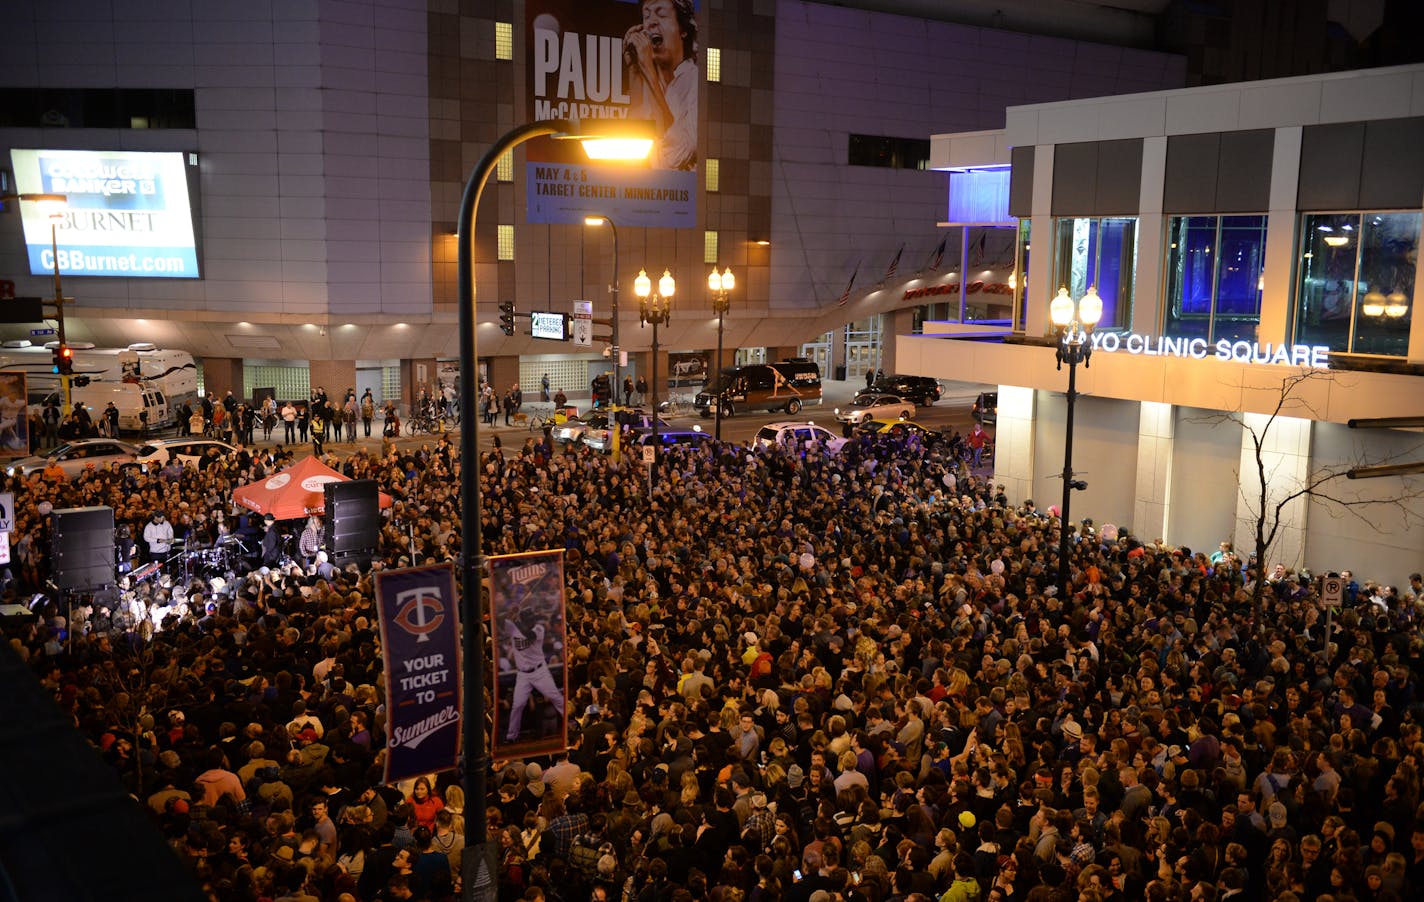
{"type": "Point", "coordinates": [1206, 453]}
{"type": "Point", "coordinates": [842, 71]}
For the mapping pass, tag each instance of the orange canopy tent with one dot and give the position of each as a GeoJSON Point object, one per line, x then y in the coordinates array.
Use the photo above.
{"type": "Point", "coordinates": [294, 492]}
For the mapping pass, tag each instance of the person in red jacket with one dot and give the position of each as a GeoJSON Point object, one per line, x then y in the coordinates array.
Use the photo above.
{"type": "Point", "coordinates": [426, 803]}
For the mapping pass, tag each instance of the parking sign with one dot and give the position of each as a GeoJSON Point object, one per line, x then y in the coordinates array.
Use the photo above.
{"type": "Point", "coordinates": [1332, 590]}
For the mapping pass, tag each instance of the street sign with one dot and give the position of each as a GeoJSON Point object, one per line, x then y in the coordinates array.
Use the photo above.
{"type": "Point", "coordinates": [1332, 590]}
{"type": "Point", "coordinates": [38, 332]}
{"type": "Point", "coordinates": [648, 452]}
{"type": "Point", "coordinates": [7, 511]}
{"type": "Point", "coordinates": [583, 324]}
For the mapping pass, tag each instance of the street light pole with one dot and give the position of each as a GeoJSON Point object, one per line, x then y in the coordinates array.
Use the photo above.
{"type": "Point", "coordinates": [613, 321]}
{"type": "Point", "coordinates": [53, 206]}
{"type": "Point", "coordinates": [1073, 324]}
{"type": "Point", "coordinates": [720, 284]}
{"type": "Point", "coordinates": [655, 308]}
{"type": "Point", "coordinates": [477, 759]}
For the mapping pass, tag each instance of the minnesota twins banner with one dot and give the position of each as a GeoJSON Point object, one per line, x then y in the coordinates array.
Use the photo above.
{"type": "Point", "coordinates": [420, 633]}
{"type": "Point", "coordinates": [527, 619]}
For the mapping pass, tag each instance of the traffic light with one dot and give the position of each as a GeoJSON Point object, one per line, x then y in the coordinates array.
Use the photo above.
{"type": "Point", "coordinates": [506, 317]}
{"type": "Point", "coordinates": [64, 360]}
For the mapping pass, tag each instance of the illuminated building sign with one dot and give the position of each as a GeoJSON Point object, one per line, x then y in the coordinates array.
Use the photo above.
{"type": "Point", "coordinates": [1200, 349]}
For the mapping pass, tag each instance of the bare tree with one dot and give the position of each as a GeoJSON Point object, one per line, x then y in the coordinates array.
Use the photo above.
{"type": "Point", "coordinates": [1268, 499]}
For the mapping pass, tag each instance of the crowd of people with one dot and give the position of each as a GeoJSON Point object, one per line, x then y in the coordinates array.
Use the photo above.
{"type": "Point", "coordinates": [790, 676]}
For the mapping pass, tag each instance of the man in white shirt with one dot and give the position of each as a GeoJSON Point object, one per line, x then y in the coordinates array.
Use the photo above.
{"type": "Point", "coordinates": [661, 56]}
{"type": "Point", "coordinates": [158, 534]}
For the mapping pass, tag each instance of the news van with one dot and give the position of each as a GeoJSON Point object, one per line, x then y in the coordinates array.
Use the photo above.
{"type": "Point", "coordinates": [785, 385]}
{"type": "Point", "coordinates": [140, 407]}
{"type": "Point", "coordinates": [172, 374]}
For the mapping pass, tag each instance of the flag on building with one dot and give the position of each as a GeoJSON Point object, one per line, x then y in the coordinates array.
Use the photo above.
{"type": "Point", "coordinates": [845, 295]}
{"type": "Point", "coordinates": [979, 247]}
{"type": "Point", "coordinates": [938, 257]}
{"type": "Point", "coordinates": [894, 264]}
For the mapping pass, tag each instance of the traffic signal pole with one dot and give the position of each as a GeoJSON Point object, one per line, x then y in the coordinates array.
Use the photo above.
{"type": "Point", "coordinates": [66, 404]}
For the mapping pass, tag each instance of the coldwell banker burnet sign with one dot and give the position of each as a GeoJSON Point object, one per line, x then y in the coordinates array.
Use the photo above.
{"type": "Point", "coordinates": [420, 637]}
{"type": "Point", "coordinates": [1316, 356]}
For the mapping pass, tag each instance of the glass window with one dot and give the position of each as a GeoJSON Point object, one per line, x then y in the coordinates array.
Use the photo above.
{"type": "Point", "coordinates": [504, 169]}
{"type": "Point", "coordinates": [1102, 253]}
{"type": "Point", "coordinates": [1356, 289]}
{"type": "Point", "coordinates": [1214, 266]}
{"type": "Point", "coordinates": [714, 64]}
{"type": "Point", "coordinates": [505, 242]}
{"type": "Point", "coordinates": [504, 40]}
{"type": "Point", "coordinates": [713, 168]}
{"type": "Point", "coordinates": [709, 246]}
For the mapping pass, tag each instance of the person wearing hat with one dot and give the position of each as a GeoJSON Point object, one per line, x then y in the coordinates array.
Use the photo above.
{"type": "Point", "coordinates": [271, 542]}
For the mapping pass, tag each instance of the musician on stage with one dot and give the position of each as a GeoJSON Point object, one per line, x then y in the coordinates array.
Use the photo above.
{"type": "Point", "coordinates": [158, 534]}
{"type": "Point", "coordinates": [271, 542]}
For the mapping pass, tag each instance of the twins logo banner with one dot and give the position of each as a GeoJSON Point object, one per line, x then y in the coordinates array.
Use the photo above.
{"type": "Point", "coordinates": [420, 635]}
{"type": "Point", "coordinates": [527, 616]}
{"type": "Point", "coordinates": [614, 59]}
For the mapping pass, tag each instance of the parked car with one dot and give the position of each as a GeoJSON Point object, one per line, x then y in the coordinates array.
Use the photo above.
{"type": "Point", "coordinates": [900, 429]}
{"type": "Point", "coordinates": [693, 436]}
{"type": "Point", "coordinates": [188, 450]}
{"type": "Point", "coordinates": [572, 429]}
{"type": "Point", "coordinates": [802, 435]}
{"type": "Point", "coordinates": [875, 405]}
{"type": "Point", "coordinates": [77, 456]}
{"type": "Point", "coordinates": [923, 390]}
{"type": "Point", "coordinates": [785, 385]}
{"type": "Point", "coordinates": [599, 434]}
{"type": "Point", "coordinates": [986, 407]}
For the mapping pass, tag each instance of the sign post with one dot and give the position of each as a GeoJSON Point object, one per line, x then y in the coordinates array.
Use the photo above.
{"type": "Point", "coordinates": [583, 324]}
{"type": "Point", "coordinates": [1332, 594]}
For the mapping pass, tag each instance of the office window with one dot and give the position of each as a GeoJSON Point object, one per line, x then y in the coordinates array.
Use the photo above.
{"type": "Point", "coordinates": [1214, 272]}
{"type": "Point", "coordinates": [1101, 252]}
{"type": "Point", "coordinates": [888, 153]}
{"type": "Point", "coordinates": [709, 247]}
{"type": "Point", "coordinates": [713, 168]}
{"type": "Point", "coordinates": [504, 40]}
{"type": "Point", "coordinates": [505, 242]}
{"type": "Point", "coordinates": [504, 169]}
{"type": "Point", "coordinates": [714, 64]}
{"type": "Point", "coordinates": [1356, 288]}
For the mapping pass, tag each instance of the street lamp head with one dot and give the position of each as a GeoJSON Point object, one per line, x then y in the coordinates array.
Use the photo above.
{"type": "Point", "coordinates": [594, 220]}
{"type": "Point", "coordinates": [1060, 311]}
{"type": "Point", "coordinates": [714, 280]}
{"type": "Point", "coordinates": [728, 280]}
{"type": "Point", "coordinates": [1090, 308]}
{"type": "Point", "coordinates": [642, 286]}
{"type": "Point", "coordinates": [606, 140]}
{"type": "Point", "coordinates": [667, 285]}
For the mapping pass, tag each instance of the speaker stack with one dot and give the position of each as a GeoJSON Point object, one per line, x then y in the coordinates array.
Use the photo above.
{"type": "Point", "coordinates": [83, 547]}
{"type": "Point", "coordinates": [352, 530]}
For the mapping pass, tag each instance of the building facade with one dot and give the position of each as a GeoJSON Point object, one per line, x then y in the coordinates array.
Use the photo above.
{"type": "Point", "coordinates": [1256, 248]}
{"type": "Point", "coordinates": [328, 142]}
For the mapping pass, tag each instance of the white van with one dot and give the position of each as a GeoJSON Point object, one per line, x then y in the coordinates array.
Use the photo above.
{"type": "Point", "coordinates": [131, 398]}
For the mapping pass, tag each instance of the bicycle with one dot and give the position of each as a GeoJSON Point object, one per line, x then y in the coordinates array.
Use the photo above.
{"type": "Point", "coordinates": [677, 406]}
{"type": "Point", "coordinates": [541, 418]}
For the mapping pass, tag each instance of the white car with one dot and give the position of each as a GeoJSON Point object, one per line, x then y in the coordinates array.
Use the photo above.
{"type": "Point", "coordinates": [872, 406]}
{"type": "Point", "coordinates": [599, 435]}
{"type": "Point", "coordinates": [188, 450]}
{"type": "Point", "coordinates": [799, 435]}
{"type": "Point", "coordinates": [571, 430]}
{"type": "Point", "coordinates": [77, 456]}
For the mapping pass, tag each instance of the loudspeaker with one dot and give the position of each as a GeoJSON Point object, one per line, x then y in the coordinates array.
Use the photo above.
{"type": "Point", "coordinates": [83, 547]}
{"type": "Point", "coordinates": [353, 514]}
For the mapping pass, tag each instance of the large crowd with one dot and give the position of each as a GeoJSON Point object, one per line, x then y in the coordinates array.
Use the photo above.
{"type": "Point", "coordinates": [791, 676]}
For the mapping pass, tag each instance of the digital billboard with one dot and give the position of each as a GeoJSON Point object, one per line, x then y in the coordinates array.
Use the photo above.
{"type": "Point", "coordinates": [614, 59]}
{"type": "Point", "coordinates": [130, 212]}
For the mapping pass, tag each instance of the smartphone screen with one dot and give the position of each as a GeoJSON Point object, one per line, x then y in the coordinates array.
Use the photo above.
{"type": "Point", "coordinates": [795, 875]}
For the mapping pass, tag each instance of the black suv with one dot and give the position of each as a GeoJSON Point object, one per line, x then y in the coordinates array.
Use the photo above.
{"type": "Point", "coordinates": [923, 390]}
{"type": "Point", "coordinates": [986, 407]}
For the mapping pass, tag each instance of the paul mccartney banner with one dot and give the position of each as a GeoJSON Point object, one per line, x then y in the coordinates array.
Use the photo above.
{"type": "Point", "coordinates": [420, 635]}
{"type": "Point", "coordinates": [614, 59]}
{"type": "Point", "coordinates": [527, 617]}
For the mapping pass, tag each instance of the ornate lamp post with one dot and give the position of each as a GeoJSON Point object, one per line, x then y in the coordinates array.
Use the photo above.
{"type": "Point", "coordinates": [655, 308]}
{"type": "Point", "coordinates": [1073, 323]}
{"type": "Point", "coordinates": [719, 284]}
{"type": "Point", "coordinates": [596, 221]}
